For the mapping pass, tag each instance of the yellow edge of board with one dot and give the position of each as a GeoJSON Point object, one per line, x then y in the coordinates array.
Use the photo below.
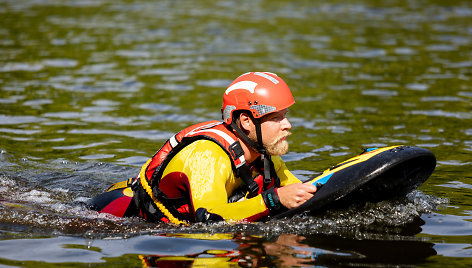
{"type": "Point", "coordinates": [353, 161]}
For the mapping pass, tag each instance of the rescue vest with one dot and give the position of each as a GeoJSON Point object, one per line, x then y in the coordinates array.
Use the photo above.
{"type": "Point", "coordinates": [151, 173]}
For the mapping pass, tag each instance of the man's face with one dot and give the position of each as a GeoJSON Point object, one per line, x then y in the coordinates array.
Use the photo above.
{"type": "Point", "coordinates": [275, 130]}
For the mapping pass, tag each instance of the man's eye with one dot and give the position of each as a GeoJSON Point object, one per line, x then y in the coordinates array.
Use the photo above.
{"type": "Point", "coordinates": [278, 118]}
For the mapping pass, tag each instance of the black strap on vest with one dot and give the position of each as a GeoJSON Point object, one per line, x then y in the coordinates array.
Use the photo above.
{"type": "Point", "coordinates": [243, 171]}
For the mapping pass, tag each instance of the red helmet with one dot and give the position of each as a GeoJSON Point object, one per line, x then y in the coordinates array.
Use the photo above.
{"type": "Point", "coordinates": [258, 92]}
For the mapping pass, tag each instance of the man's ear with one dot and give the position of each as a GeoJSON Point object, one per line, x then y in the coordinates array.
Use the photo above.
{"type": "Point", "coordinates": [246, 122]}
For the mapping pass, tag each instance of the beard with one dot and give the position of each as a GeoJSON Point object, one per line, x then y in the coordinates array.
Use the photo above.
{"type": "Point", "coordinates": [278, 147]}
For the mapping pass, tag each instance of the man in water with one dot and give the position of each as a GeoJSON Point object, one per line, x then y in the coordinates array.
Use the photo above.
{"type": "Point", "coordinates": [212, 171]}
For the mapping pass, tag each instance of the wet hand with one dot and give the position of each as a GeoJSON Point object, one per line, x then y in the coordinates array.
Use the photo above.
{"type": "Point", "coordinates": [293, 195]}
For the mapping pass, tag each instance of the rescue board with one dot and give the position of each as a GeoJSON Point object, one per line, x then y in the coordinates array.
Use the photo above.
{"type": "Point", "coordinates": [375, 175]}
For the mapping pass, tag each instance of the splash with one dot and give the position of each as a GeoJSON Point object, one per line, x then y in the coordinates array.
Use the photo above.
{"type": "Point", "coordinates": [386, 219]}
{"type": "Point", "coordinates": [27, 207]}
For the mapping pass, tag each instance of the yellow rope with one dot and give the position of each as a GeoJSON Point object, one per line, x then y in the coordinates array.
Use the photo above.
{"type": "Point", "coordinates": [160, 206]}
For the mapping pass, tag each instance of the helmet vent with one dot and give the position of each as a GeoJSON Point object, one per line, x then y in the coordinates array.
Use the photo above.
{"type": "Point", "coordinates": [227, 111]}
{"type": "Point", "coordinates": [263, 109]}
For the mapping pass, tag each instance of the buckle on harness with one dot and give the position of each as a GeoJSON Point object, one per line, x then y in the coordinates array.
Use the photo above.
{"type": "Point", "coordinates": [245, 174]}
{"type": "Point", "coordinates": [253, 188]}
{"type": "Point", "coordinates": [236, 150]}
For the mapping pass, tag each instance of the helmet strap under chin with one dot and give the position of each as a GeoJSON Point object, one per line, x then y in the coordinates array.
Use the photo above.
{"type": "Point", "coordinates": [255, 145]}
{"type": "Point", "coordinates": [264, 155]}
{"type": "Point", "coordinates": [259, 146]}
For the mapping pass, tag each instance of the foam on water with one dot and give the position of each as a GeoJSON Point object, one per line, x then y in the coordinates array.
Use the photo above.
{"type": "Point", "coordinates": [59, 210]}
{"type": "Point", "coordinates": [384, 220]}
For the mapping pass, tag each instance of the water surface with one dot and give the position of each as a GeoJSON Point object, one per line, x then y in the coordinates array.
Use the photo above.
{"type": "Point", "coordinates": [89, 90]}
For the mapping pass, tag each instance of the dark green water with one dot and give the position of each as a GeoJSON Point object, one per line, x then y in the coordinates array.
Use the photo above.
{"type": "Point", "coordinates": [90, 89]}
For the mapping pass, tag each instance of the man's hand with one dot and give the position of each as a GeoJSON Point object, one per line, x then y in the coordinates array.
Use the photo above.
{"type": "Point", "coordinates": [293, 195]}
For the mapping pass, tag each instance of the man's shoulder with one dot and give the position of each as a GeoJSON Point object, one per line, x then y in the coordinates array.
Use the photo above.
{"type": "Point", "coordinates": [206, 143]}
{"type": "Point", "coordinates": [278, 162]}
{"type": "Point", "coordinates": [203, 150]}
{"type": "Point", "coordinates": [207, 146]}
{"type": "Point", "coordinates": [277, 158]}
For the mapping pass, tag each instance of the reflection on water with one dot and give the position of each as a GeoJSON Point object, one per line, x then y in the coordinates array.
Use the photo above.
{"type": "Point", "coordinates": [222, 249]}
{"type": "Point", "coordinates": [90, 89]}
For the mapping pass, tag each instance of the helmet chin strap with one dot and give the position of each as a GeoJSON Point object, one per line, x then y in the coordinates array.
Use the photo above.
{"type": "Point", "coordinates": [256, 146]}
{"type": "Point", "coordinates": [259, 146]}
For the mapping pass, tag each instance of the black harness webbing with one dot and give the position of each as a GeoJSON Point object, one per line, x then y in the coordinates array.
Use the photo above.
{"type": "Point", "coordinates": [244, 171]}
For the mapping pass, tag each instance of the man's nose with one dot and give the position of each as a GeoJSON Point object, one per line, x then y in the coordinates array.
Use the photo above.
{"type": "Point", "coordinates": [286, 124]}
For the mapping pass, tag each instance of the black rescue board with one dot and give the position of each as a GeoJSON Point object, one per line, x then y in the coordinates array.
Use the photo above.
{"type": "Point", "coordinates": [376, 175]}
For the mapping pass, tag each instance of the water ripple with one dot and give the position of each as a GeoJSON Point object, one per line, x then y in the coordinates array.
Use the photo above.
{"type": "Point", "coordinates": [380, 92]}
{"type": "Point", "coordinates": [60, 63]}
{"type": "Point", "coordinates": [138, 134]}
{"type": "Point", "coordinates": [18, 120]}
{"type": "Point", "coordinates": [440, 113]}
{"type": "Point", "coordinates": [19, 131]}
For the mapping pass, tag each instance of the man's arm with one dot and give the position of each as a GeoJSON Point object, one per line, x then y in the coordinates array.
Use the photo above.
{"type": "Point", "coordinates": [292, 193]}
{"type": "Point", "coordinates": [211, 180]}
